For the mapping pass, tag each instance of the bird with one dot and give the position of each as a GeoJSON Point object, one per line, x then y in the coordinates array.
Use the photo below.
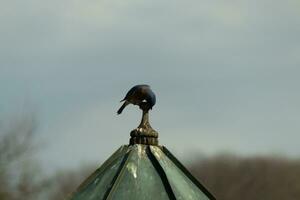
{"type": "Point", "coordinates": [137, 95]}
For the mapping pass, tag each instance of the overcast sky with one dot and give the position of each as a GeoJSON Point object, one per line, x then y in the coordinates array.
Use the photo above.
{"type": "Point", "coordinates": [226, 74]}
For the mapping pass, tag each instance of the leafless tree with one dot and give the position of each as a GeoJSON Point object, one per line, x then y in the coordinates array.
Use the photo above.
{"type": "Point", "coordinates": [17, 173]}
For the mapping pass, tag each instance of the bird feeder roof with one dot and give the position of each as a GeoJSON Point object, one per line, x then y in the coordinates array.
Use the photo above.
{"type": "Point", "coordinates": [141, 172]}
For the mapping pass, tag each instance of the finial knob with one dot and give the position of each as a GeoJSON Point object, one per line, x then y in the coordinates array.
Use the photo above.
{"type": "Point", "coordinates": [144, 133]}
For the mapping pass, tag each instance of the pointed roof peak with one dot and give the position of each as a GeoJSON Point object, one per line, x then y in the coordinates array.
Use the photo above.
{"type": "Point", "coordinates": [141, 172]}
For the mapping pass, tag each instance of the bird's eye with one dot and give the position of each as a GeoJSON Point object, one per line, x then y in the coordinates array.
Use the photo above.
{"type": "Point", "coordinates": [144, 100]}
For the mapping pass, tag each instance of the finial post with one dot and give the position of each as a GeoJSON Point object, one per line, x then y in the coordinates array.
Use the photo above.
{"type": "Point", "coordinates": [144, 133]}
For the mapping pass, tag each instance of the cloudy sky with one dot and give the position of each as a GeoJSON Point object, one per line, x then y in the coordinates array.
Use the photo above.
{"type": "Point", "coordinates": [226, 74]}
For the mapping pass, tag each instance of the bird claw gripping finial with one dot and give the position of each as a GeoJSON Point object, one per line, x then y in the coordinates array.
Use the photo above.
{"type": "Point", "coordinates": [144, 97]}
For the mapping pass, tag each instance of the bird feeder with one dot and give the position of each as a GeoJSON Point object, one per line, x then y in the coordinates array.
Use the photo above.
{"type": "Point", "coordinates": [142, 170]}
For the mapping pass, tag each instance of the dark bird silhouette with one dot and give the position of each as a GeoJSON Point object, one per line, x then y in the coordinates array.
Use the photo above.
{"type": "Point", "coordinates": [137, 95]}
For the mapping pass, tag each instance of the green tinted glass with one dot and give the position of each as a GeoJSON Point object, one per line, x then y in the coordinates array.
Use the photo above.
{"type": "Point", "coordinates": [182, 186]}
{"type": "Point", "coordinates": [96, 186]}
{"type": "Point", "coordinates": [139, 180]}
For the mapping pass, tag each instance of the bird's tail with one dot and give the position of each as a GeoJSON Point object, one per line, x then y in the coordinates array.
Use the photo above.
{"type": "Point", "coordinates": [122, 107]}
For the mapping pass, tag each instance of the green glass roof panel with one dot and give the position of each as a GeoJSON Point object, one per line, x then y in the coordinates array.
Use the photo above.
{"type": "Point", "coordinates": [96, 186]}
{"type": "Point", "coordinates": [141, 172]}
{"type": "Point", "coordinates": [138, 180]}
{"type": "Point", "coordinates": [182, 186]}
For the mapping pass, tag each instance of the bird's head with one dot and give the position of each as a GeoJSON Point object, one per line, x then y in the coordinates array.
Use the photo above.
{"type": "Point", "coordinates": [151, 99]}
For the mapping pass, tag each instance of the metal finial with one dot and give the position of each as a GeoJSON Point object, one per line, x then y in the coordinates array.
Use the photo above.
{"type": "Point", "coordinates": [144, 133]}
{"type": "Point", "coordinates": [144, 97]}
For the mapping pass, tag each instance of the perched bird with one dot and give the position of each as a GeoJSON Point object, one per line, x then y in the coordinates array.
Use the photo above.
{"type": "Point", "coordinates": [137, 95]}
